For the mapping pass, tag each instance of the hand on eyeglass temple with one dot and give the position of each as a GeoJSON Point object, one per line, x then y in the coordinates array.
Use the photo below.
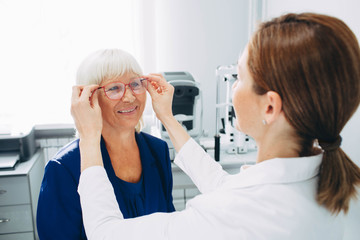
{"type": "Point", "coordinates": [161, 93]}
{"type": "Point", "coordinates": [86, 112]}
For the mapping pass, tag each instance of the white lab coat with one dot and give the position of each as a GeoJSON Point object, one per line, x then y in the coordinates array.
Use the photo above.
{"type": "Point", "coordinates": [274, 199]}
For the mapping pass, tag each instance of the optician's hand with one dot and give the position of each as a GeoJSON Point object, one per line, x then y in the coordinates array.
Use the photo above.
{"type": "Point", "coordinates": [86, 111]}
{"type": "Point", "coordinates": [161, 94]}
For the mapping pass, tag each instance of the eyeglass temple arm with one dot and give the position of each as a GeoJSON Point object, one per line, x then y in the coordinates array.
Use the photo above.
{"type": "Point", "coordinates": [94, 91]}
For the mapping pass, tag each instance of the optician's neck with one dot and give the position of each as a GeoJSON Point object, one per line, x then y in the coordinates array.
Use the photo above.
{"type": "Point", "coordinates": [277, 144]}
{"type": "Point", "coordinates": [276, 149]}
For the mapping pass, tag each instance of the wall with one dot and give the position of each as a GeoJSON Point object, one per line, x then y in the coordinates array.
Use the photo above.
{"type": "Point", "coordinates": [195, 36]}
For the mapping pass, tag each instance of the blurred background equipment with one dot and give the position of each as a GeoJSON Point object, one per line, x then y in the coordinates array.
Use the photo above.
{"type": "Point", "coordinates": [235, 141]}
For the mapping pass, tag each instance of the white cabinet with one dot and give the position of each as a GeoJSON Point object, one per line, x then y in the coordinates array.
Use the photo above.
{"type": "Point", "coordinates": [19, 192]}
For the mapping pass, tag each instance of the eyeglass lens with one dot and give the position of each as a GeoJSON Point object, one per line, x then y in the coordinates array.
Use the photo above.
{"type": "Point", "coordinates": [116, 90]}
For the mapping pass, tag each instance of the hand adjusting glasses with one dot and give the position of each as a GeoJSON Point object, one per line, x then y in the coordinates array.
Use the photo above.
{"type": "Point", "coordinates": [116, 90]}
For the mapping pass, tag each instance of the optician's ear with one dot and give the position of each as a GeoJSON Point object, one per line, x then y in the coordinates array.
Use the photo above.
{"type": "Point", "coordinates": [273, 106]}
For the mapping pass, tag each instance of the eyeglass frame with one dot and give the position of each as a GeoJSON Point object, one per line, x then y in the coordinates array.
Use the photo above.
{"type": "Point", "coordinates": [124, 84]}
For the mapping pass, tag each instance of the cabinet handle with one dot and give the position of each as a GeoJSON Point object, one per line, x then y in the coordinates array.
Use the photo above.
{"type": "Point", "coordinates": [3, 220]}
{"type": "Point", "coordinates": [2, 191]}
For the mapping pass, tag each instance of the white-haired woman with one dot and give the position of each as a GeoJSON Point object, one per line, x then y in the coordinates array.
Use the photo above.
{"type": "Point", "coordinates": [137, 164]}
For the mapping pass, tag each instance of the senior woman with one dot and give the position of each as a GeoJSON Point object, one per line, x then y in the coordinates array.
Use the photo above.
{"type": "Point", "coordinates": [137, 164]}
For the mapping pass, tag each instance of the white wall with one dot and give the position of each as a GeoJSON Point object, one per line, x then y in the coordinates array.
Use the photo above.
{"type": "Point", "coordinates": [197, 36]}
{"type": "Point", "coordinates": [348, 11]}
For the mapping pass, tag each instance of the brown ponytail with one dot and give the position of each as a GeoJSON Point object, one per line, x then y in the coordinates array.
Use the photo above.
{"type": "Point", "coordinates": [313, 62]}
{"type": "Point", "coordinates": [338, 177]}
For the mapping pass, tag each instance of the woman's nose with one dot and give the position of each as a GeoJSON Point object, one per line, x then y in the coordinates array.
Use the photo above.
{"type": "Point", "coordinates": [129, 96]}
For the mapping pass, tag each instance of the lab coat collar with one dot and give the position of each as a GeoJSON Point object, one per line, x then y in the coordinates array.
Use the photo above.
{"type": "Point", "coordinates": [277, 170]}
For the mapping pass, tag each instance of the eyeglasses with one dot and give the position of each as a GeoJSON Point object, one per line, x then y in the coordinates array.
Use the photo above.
{"type": "Point", "coordinates": [116, 90]}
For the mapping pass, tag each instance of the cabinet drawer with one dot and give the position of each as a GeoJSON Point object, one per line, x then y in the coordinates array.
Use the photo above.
{"type": "Point", "coordinates": [181, 180]}
{"type": "Point", "coordinates": [15, 219]}
{"type": "Point", "coordinates": [191, 193]}
{"type": "Point", "coordinates": [14, 190]}
{"type": "Point", "coordinates": [18, 236]}
{"type": "Point", "coordinates": [179, 205]}
{"type": "Point", "coordinates": [178, 194]}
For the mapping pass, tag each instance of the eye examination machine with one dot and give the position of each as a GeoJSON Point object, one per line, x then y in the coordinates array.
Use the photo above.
{"type": "Point", "coordinates": [236, 141]}
{"type": "Point", "coordinates": [187, 106]}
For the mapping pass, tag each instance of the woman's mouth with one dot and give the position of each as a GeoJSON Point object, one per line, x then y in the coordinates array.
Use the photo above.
{"type": "Point", "coordinates": [129, 110]}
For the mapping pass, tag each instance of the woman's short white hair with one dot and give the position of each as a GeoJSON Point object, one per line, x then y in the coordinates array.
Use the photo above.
{"type": "Point", "coordinates": [106, 64]}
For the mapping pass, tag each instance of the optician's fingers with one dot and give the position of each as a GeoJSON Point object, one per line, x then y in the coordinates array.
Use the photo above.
{"type": "Point", "coordinates": [159, 83]}
{"type": "Point", "coordinates": [94, 100]}
{"type": "Point", "coordinates": [87, 92]}
{"type": "Point", "coordinates": [86, 112]}
{"type": "Point", "coordinates": [153, 89]}
{"type": "Point", "coordinates": [80, 91]}
{"type": "Point", "coordinates": [76, 91]}
{"type": "Point", "coordinates": [80, 98]}
{"type": "Point", "coordinates": [153, 85]}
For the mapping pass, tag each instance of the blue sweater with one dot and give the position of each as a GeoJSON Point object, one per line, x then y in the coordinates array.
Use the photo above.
{"type": "Point", "coordinates": [59, 211]}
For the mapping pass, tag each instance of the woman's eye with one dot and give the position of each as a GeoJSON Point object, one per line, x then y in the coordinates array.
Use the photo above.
{"type": "Point", "coordinates": [134, 84]}
{"type": "Point", "coordinates": [113, 88]}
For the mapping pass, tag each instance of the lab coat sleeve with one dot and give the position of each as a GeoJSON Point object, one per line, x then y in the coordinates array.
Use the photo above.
{"type": "Point", "coordinates": [103, 219]}
{"type": "Point", "coordinates": [203, 170]}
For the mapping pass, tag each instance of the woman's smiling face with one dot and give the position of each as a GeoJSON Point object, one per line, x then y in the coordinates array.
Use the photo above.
{"type": "Point", "coordinates": [125, 112]}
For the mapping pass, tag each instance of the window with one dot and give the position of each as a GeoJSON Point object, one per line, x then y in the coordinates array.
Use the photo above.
{"type": "Point", "coordinates": [42, 45]}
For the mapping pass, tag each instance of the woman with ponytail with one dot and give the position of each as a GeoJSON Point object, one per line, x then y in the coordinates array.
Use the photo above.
{"type": "Point", "coordinates": [313, 63]}
{"type": "Point", "coordinates": [298, 85]}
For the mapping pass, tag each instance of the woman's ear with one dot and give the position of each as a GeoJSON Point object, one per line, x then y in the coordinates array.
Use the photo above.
{"type": "Point", "coordinates": [273, 106]}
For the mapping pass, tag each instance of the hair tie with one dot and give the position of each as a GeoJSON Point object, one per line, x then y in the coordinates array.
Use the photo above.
{"type": "Point", "coordinates": [329, 146]}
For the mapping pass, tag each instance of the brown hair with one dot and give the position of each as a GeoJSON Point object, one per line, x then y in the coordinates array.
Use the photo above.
{"type": "Point", "coordinates": [313, 62]}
